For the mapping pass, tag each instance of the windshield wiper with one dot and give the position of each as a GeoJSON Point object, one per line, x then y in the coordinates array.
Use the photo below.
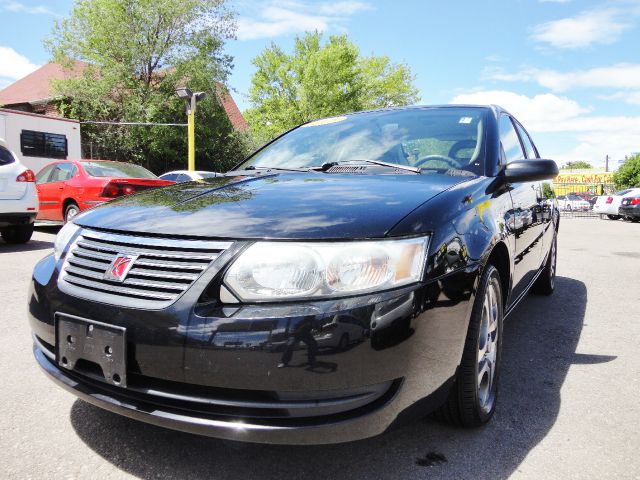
{"type": "Point", "coordinates": [328, 165]}
{"type": "Point", "coordinates": [280, 169]}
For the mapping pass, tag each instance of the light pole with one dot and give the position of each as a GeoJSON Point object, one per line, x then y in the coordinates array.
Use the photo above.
{"type": "Point", "coordinates": [191, 98]}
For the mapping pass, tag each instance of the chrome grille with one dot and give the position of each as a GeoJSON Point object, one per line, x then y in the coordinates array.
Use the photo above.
{"type": "Point", "coordinates": [164, 268]}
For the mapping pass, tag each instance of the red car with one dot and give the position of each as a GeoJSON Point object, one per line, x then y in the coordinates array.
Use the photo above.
{"type": "Point", "coordinates": [67, 187]}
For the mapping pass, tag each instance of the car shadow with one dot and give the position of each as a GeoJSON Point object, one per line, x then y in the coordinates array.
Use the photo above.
{"type": "Point", "coordinates": [31, 245]}
{"type": "Point", "coordinates": [540, 343]}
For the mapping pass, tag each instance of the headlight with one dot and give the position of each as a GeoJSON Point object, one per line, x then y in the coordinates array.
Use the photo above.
{"type": "Point", "coordinates": [63, 238]}
{"type": "Point", "coordinates": [271, 271]}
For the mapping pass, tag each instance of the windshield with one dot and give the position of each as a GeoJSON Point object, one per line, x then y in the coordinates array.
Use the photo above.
{"type": "Point", "coordinates": [436, 138]}
{"type": "Point", "coordinates": [116, 169]}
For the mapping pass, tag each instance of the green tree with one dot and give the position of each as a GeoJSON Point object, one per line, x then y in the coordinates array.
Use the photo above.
{"type": "Point", "coordinates": [319, 80]}
{"type": "Point", "coordinates": [628, 175]}
{"type": "Point", "coordinates": [579, 165]}
{"type": "Point", "coordinates": [136, 53]}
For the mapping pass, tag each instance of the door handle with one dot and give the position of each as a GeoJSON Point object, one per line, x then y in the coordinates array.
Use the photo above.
{"type": "Point", "coordinates": [60, 188]}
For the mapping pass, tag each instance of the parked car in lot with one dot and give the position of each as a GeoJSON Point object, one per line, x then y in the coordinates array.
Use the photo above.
{"type": "Point", "coordinates": [18, 198]}
{"type": "Point", "coordinates": [199, 307]}
{"type": "Point", "coordinates": [573, 202]}
{"type": "Point", "coordinates": [68, 187]}
{"type": "Point", "coordinates": [181, 176]}
{"type": "Point", "coordinates": [609, 204]}
{"type": "Point", "coordinates": [630, 207]}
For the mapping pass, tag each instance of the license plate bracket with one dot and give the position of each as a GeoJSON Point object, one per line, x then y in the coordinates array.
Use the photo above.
{"type": "Point", "coordinates": [83, 339]}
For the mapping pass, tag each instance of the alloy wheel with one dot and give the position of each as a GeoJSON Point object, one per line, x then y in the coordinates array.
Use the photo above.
{"type": "Point", "coordinates": [488, 349]}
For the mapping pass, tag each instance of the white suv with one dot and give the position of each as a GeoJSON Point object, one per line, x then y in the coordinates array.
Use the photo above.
{"type": "Point", "coordinates": [18, 198]}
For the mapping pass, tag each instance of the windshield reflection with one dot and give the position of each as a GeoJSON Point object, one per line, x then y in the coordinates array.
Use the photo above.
{"type": "Point", "coordinates": [437, 138]}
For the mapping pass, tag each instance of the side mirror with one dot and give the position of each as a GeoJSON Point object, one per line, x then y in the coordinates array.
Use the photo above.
{"type": "Point", "coordinates": [531, 170]}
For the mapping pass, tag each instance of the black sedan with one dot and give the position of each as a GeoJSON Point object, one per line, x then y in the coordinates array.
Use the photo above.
{"type": "Point", "coordinates": [349, 276]}
{"type": "Point", "coordinates": [630, 208]}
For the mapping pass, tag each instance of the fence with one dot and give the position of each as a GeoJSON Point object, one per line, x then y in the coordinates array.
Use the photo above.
{"type": "Point", "coordinates": [587, 191]}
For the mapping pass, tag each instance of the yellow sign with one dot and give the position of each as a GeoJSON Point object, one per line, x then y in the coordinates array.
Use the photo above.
{"type": "Point", "coordinates": [592, 178]}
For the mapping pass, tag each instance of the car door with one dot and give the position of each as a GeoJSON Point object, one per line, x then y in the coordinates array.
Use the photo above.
{"type": "Point", "coordinates": [526, 198]}
{"type": "Point", "coordinates": [45, 197]}
{"type": "Point", "coordinates": [53, 191]}
{"type": "Point", "coordinates": [545, 210]}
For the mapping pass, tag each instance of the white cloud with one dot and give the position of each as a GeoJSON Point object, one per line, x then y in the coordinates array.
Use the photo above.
{"type": "Point", "coordinates": [596, 136]}
{"type": "Point", "coordinates": [619, 76]}
{"type": "Point", "coordinates": [594, 26]}
{"type": "Point", "coordinates": [632, 98]}
{"type": "Point", "coordinates": [14, 65]}
{"type": "Point", "coordinates": [344, 8]}
{"type": "Point", "coordinates": [285, 17]}
{"type": "Point", "coordinates": [17, 7]}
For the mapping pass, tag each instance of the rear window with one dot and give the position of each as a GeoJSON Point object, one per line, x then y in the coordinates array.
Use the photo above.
{"type": "Point", "coordinates": [5, 157]}
{"type": "Point", "coordinates": [116, 169]}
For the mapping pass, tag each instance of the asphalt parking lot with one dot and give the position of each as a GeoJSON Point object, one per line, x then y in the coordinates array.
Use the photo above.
{"type": "Point", "coordinates": [568, 404]}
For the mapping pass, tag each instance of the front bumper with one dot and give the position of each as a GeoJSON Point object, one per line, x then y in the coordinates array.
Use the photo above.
{"type": "Point", "coordinates": [222, 370]}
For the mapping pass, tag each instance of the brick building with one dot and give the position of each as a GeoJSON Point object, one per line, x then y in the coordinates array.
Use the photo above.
{"type": "Point", "coordinates": [33, 93]}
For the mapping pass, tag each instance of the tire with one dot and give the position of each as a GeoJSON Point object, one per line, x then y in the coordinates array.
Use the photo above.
{"type": "Point", "coordinates": [546, 282]}
{"type": "Point", "coordinates": [472, 399]}
{"type": "Point", "coordinates": [614, 217]}
{"type": "Point", "coordinates": [18, 234]}
{"type": "Point", "coordinates": [71, 211]}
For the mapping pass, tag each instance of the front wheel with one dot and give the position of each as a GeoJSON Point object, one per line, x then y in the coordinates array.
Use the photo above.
{"type": "Point", "coordinates": [18, 233]}
{"type": "Point", "coordinates": [614, 217]}
{"type": "Point", "coordinates": [472, 400]}
{"type": "Point", "coordinates": [546, 282]}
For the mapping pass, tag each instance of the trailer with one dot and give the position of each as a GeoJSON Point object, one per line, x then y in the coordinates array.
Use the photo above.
{"type": "Point", "coordinates": [38, 140]}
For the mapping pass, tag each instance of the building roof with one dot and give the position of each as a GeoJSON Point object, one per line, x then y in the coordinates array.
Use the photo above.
{"type": "Point", "coordinates": [36, 88]}
{"type": "Point", "coordinates": [233, 112]}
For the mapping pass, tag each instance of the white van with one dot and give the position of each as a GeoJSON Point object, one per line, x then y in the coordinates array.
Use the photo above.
{"type": "Point", "coordinates": [38, 140]}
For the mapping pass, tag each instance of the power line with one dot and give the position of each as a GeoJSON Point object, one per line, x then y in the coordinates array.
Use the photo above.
{"type": "Point", "coordinates": [145, 124]}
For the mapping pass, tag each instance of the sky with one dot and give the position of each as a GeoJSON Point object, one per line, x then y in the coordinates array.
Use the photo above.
{"type": "Point", "coordinates": [569, 70]}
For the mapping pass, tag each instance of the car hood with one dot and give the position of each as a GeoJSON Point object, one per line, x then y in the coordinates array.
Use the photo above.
{"type": "Point", "coordinates": [287, 206]}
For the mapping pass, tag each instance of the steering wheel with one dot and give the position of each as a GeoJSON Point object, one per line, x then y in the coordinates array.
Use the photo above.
{"type": "Point", "coordinates": [461, 145]}
{"type": "Point", "coordinates": [441, 158]}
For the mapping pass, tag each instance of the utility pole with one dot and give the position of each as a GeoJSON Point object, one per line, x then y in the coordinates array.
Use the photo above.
{"type": "Point", "coordinates": [191, 135]}
{"type": "Point", "coordinates": [191, 98]}
{"type": "Point", "coordinates": [606, 164]}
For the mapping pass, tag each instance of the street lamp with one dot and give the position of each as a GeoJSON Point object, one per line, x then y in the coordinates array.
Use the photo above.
{"type": "Point", "coordinates": [191, 99]}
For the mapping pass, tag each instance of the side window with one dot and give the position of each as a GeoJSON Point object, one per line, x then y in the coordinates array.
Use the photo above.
{"type": "Point", "coordinates": [509, 141]}
{"type": "Point", "coordinates": [183, 178]}
{"type": "Point", "coordinates": [526, 141]}
{"type": "Point", "coordinates": [63, 172]}
{"type": "Point", "coordinates": [43, 144]}
{"type": "Point", "coordinates": [171, 176]}
{"type": "Point", "coordinates": [43, 175]}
